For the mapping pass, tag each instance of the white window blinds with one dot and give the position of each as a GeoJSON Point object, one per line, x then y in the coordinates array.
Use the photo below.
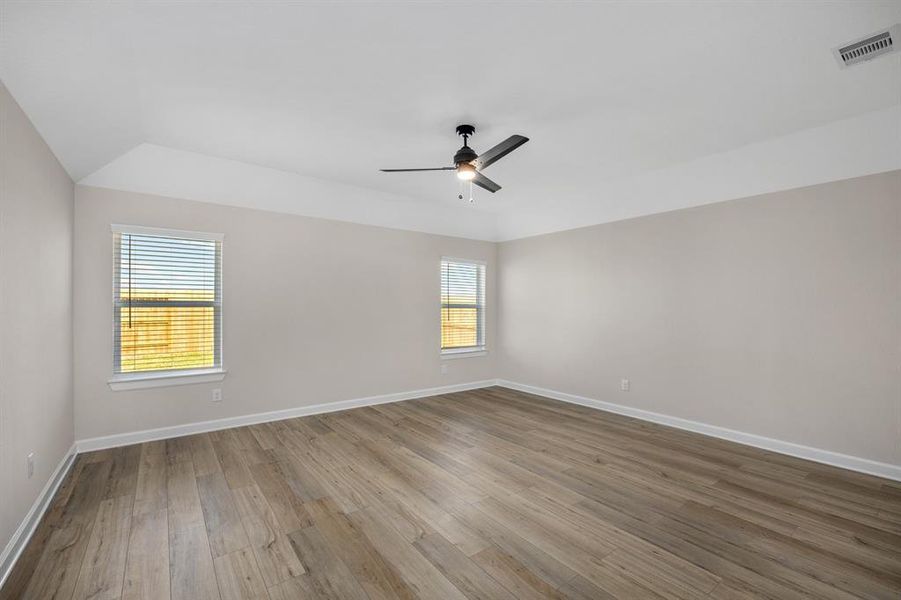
{"type": "Point", "coordinates": [462, 305]}
{"type": "Point", "coordinates": [167, 300]}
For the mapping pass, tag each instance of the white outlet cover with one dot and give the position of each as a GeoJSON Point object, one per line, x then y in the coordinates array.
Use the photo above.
{"type": "Point", "coordinates": [217, 395]}
{"type": "Point", "coordinates": [625, 384]}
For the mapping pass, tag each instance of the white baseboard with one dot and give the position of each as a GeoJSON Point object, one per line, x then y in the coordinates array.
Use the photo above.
{"type": "Point", "coordinates": [26, 529]}
{"type": "Point", "coordinates": [147, 435]}
{"type": "Point", "coordinates": [853, 463]}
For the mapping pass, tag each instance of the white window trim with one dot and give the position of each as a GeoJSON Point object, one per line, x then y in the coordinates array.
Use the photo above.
{"type": "Point", "coordinates": [471, 351]}
{"type": "Point", "coordinates": [155, 379]}
{"type": "Point", "coordinates": [150, 379]}
{"type": "Point", "coordinates": [454, 353]}
{"type": "Point", "coordinates": [176, 233]}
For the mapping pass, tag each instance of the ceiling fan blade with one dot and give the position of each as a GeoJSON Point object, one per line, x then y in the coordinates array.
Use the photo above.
{"type": "Point", "coordinates": [411, 170]}
{"type": "Point", "coordinates": [498, 152]}
{"type": "Point", "coordinates": [483, 182]}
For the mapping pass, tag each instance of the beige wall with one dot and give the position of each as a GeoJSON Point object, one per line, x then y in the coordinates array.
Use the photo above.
{"type": "Point", "coordinates": [314, 311]}
{"type": "Point", "coordinates": [35, 313]}
{"type": "Point", "coordinates": [778, 315]}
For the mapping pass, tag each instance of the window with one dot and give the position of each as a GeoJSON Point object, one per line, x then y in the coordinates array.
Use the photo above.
{"type": "Point", "coordinates": [462, 306]}
{"type": "Point", "coordinates": [167, 303]}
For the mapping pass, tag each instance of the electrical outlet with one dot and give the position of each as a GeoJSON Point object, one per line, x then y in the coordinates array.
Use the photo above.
{"type": "Point", "coordinates": [444, 369]}
{"type": "Point", "coordinates": [624, 385]}
{"type": "Point", "coordinates": [217, 395]}
{"type": "Point", "coordinates": [29, 465]}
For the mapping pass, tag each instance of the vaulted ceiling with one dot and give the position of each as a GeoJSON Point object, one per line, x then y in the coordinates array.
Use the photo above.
{"type": "Point", "coordinates": [632, 108]}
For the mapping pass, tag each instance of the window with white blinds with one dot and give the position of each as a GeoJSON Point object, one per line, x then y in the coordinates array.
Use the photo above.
{"type": "Point", "coordinates": [462, 305]}
{"type": "Point", "coordinates": [167, 301]}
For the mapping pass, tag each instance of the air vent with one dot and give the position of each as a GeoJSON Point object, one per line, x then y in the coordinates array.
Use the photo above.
{"type": "Point", "coordinates": [869, 47]}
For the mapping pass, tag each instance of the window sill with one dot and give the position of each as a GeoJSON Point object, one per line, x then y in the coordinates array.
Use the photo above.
{"type": "Point", "coordinates": [465, 353]}
{"type": "Point", "coordinates": [165, 379]}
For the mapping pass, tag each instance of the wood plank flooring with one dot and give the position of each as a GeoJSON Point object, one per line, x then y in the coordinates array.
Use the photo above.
{"type": "Point", "coordinates": [483, 494]}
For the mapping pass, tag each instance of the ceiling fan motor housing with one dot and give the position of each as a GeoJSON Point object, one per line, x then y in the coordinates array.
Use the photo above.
{"type": "Point", "coordinates": [465, 155]}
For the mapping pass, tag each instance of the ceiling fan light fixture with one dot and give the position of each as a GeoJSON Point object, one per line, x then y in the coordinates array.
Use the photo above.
{"type": "Point", "coordinates": [466, 172]}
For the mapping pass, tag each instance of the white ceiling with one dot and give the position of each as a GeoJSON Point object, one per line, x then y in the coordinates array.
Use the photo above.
{"type": "Point", "coordinates": [632, 108]}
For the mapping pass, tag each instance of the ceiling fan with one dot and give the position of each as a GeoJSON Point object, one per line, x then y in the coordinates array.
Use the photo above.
{"type": "Point", "coordinates": [468, 164]}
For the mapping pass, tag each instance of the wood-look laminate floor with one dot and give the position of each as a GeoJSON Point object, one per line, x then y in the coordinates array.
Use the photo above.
{"type": "Point", "coordinates": [483, 494]}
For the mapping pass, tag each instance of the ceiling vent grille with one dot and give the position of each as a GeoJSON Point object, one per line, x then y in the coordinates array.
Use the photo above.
{"type": "Point", "coordinates": [869, 47]}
